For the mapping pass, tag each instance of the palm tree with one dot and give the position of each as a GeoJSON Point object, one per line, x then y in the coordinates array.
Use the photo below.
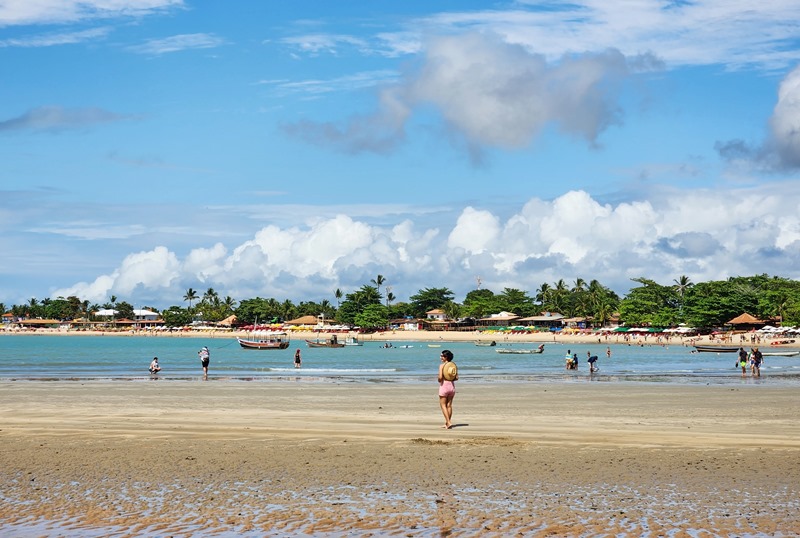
{"type": "Point", "coordinates": [389, 295]}
{"type": "Point", "coordinates": [338, 294]}
{"type": "Point", "coordinates": [211, 296]}
{"type": "Point", "coordinates": [681, 285]}
{"type": "Point", "coordinates": [190, 296]}
{"type": "Point", "coordinates": [543, 294]}
{"type": "Point", "coordinates": [379, 281]}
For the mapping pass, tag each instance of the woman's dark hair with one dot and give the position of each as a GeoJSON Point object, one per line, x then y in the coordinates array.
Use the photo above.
{"type": "Point", "coordinates": [448, 354]}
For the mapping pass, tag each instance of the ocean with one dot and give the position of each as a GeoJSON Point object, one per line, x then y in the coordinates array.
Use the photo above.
{"type": "Point", "coordinates": [126, 358]}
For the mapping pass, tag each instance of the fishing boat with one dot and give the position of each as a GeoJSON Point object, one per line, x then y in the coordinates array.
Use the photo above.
{"type": "Point", "coordinates": [331, 342]}
{"type": "Point", "coordinates": [266, 341]}
{"type": "Point", "coordinates": [434, 345]}
{"type": "Point", "coordinates": [715, 349]}
{"type": "Point", "coordinates": [353, 341]}
{"type": "Point", "coordinates": [511, 350]}
{"type": "Point", "coordinates": [481, 343]}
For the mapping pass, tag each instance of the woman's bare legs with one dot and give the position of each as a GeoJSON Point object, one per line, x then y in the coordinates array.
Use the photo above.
{"type": "Point", "coordinates": [446, 403]}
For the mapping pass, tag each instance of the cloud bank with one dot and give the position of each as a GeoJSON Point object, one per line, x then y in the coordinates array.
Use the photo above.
{"type": "Point", "coordinates": [698, 233]}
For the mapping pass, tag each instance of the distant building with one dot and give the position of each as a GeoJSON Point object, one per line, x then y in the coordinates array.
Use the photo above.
{"type": "Point", "coordinates": [437, 314]}
{"type": "Point", "coordinates": [144, 315]}
{"type": "Point", "coordinates": [501, 319]}
{"type": "Point", "coordinates": [546, 320]}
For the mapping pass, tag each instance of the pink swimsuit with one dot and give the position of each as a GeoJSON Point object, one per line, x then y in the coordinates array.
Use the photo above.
{"type": "Point", "coordinates": [447, 388]}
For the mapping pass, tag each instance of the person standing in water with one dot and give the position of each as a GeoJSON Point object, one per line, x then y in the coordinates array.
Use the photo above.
{"type": "Point", "coordinates": [448, 375]}
{"type": "Point", "coordinates": [205, 359]}
{"type": "Point", "coordinates": [297, 360]}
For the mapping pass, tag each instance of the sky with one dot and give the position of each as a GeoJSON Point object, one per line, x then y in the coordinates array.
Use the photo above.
{"type": "Point", "coordinates": [289, 149]}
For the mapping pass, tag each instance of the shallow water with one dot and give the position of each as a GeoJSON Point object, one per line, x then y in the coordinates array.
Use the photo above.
{"type": "Point", "coordinates": [53, 357]}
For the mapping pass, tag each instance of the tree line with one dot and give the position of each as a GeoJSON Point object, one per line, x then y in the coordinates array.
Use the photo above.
{"type": "Point", "coordinates": [648, 303]}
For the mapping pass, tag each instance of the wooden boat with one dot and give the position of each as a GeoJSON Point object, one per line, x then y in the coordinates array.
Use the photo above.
{"type": "Point", "coordinates": [485, 344]}
{"type": "Point", "coordinates": [782, 343]}
{"type": "Point", "coordinates": [716, 349]}
{"type": "Point", "coordinates": [434, 345]}
{"type": "Point", "coordinates": [267, 341]}
{"type": "Point", "coordinates": [537, 350]}
{"type": "Point", "coordinates": [332, 342]}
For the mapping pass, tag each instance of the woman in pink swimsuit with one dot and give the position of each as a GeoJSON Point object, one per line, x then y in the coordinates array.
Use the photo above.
{"type": "Point", "coordinates": [447, 390]}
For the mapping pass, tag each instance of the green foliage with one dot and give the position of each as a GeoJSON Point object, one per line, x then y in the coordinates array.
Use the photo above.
{"type": "Point", "coordinates": [428, 299]}
{"type": "Point", "coordinates": [176, 316]}
{"type": "Point", "coordinates": [124, 310]}
{"type": "Point", "coordinates": [374, 316]}
{"type": "Point", "coordinates": [356, 302]}
{"type": "Point", "coordinates": [480, 303]}
{"type": "Point", "coordinates": [651, 304]}
{"type": "Point", "coordinates": [517, 301]}
{"type": "Point", "coordinates": [705, 304]}
{"type": "Point", "coordinates": [258, 310]}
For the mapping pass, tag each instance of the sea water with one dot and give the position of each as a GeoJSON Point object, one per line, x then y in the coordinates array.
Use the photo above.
{"type": "Point", "coordinates": [83, 357]}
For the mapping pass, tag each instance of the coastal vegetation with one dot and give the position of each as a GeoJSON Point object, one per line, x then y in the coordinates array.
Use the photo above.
{"type": "Point", "coordinates": [648, 303]}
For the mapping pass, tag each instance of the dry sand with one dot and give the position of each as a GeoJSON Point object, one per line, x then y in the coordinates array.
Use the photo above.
{"type": "Point", "coordinates": [161, 458]}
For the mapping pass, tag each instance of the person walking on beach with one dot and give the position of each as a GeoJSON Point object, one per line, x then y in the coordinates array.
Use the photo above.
{"type": "Point", "coordinates": [297, 360]}
{"type": "Point", "coordinates": [448, 375]}
{"type": "Point", "coordinates": [742, 362]}
{"type": "Point", "coordinates": [205, 359]}
{"type": "Point", "coordinates": [154, 366]}
{"type": "Point", "coordinates": [758, 358]}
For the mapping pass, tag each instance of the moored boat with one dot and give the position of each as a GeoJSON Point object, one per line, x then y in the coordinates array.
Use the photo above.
{"type": "Point", "coordinates": [353, 341]}
{"type": "Point", "coordinates": [481, 343]}
{"type": "Point", "coordinates": [331, 342]}
{"type": "Point", "coordinates": [265, 341]}
{"type": "Point", "coordinates": [511, 350]}
{"type": "Point", "coordinates": [716, 349]}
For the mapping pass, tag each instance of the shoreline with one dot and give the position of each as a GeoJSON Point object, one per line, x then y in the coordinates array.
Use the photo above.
{"type": "Point", "coordinates": [612, 339]}
{"type": "Point", "coordinates": [367, 460]}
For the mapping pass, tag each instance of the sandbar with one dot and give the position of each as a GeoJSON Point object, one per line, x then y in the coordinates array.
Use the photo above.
{"type": "Point", "coordinates": [278, 458]}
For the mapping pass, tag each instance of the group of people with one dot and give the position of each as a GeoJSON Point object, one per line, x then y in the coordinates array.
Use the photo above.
{"type": "Point", "coordinates": [205, 358]}
{"type": "Point", "coordinates": [571, 360]}
{"type": "Point", "coordinates": [754, 359]}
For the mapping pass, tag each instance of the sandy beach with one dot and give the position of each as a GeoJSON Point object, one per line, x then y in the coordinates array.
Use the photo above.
{"type": "Point", "coordinates": [563, 337]}
{"type": "Point", "coordinates": [321, 458]}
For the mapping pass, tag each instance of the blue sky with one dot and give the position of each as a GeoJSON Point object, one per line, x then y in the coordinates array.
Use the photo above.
{"type": "Point", "coordinates": [287, 149]}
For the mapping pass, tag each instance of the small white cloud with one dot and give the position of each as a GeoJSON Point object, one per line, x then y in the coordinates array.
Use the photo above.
{"type": "Point", "coordinates": [178, 43]}
{"type": "Point", "coordinates": [17, 12]}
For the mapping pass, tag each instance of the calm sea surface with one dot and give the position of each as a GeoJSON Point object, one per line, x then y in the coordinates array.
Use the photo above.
{"type": "Point", "coordinates": [126, 358]}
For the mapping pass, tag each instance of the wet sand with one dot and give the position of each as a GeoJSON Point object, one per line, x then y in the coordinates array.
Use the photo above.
{"type": "Point", "coordinates": [282, 458]}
